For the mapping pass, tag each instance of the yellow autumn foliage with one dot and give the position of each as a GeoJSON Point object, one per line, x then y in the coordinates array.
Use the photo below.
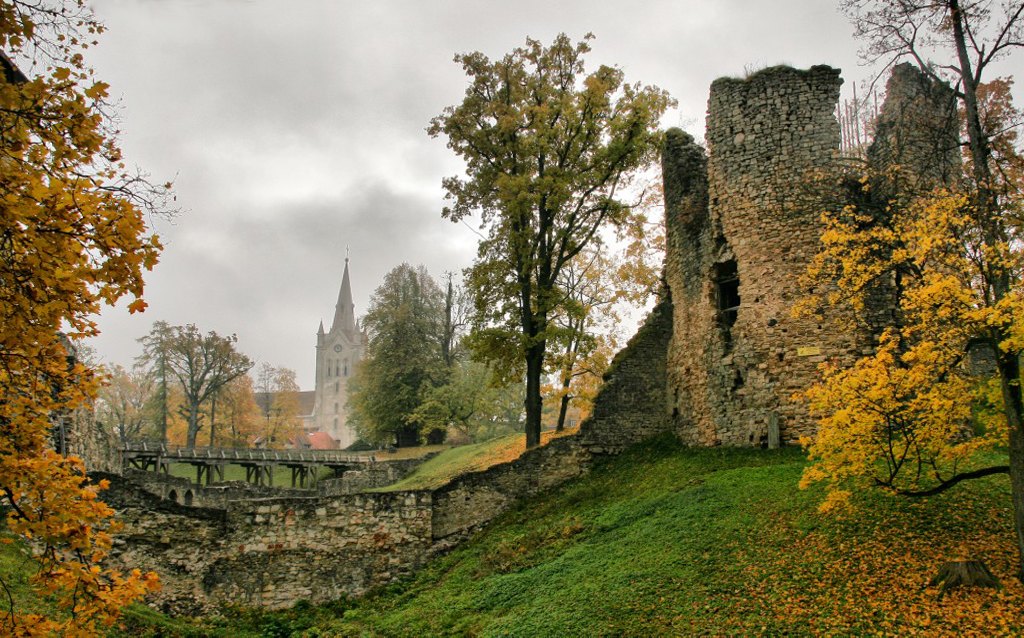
{"type": "Point", "coordinates": [911, 415]}
{"type": "Point", "coordinates": [72, 238]}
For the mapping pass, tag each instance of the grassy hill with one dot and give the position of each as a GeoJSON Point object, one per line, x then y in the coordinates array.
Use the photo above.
{"type": "Point", "coordinates": [468, 458]}
{"type": "Point", "coordinates": [671, 541]}
{"type": "Point", "coordinates": [668, 541]}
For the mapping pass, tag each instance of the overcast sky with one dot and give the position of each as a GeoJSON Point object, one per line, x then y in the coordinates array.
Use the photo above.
{"type": "Point", "coordinates": [295, 130]}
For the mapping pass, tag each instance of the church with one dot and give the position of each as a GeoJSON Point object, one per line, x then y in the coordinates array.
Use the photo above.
{"type": "Point", "coordinates": [337, 352]}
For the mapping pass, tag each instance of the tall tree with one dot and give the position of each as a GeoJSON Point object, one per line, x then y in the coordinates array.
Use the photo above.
{"type": "Point", "coordinates": [405, 323]}
{"type": "Point", "coordinates": [457, 310]}
{"type": "Point", "coordinates": [73, 238]}
{"type": "Point", "coordinates": [957, 262]}
{"type": "Point", "coordinates": [154, 356]}
{"type": "Point", "coordinates": [202, 364]}
{"type": "Point", "coordinates": [549, 152]}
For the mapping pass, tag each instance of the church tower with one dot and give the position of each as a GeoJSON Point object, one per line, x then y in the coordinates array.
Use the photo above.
{"type": "Point", "coordinates": [337, 352]}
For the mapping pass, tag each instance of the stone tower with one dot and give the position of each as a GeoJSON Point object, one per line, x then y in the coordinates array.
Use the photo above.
{"type": "Point", "coordinates": [741, 232]}
{"type": "Point", "coordinates": [337, 352]}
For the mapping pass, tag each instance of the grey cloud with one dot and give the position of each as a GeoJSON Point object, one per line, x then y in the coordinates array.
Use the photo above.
{"type": "Point", "coordinates": [297, 129]}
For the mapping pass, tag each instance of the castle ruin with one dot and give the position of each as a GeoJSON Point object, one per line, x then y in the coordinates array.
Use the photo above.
{"type": "Point", "coordinates": [717, 362]}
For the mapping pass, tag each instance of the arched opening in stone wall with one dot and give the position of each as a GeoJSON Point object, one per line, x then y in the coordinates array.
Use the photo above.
{"type": "Point", "coordinates": [172, 496]}
{"type": "Point", "coordinates": [188, 498]}
{"type": "Point", "coordinates": [727, 289]}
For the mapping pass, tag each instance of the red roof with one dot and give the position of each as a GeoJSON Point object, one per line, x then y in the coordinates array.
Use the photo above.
{"type": "Point", "coordinates": [322, 441]}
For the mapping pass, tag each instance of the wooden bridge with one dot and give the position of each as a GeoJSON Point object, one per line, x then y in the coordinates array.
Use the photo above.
{"type": "Point", "coordinates": [259, 464]}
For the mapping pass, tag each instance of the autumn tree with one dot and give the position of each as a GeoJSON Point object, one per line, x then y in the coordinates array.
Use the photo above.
{"type": "Point", "coordinates": [72, 239]}
{"type": "Point", "coordinates": [405, 324]}
{"type": "Point", "coordinates": [278, 399]}
{"type": "Point", "coordinates": [550, 151]}
{"type": "Point", "coordinates": [902, 417]}
{"type": "Point", "coordinates": [202, 365]}
{"type": "Point", "coordinates": [596, 287]}
{"type": "Point", "coordinates": [123, 402]}
{"type": "Point", "coordinates": [240, 416]}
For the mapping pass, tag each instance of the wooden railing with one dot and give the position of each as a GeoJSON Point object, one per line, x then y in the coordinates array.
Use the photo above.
{"type": "Point", "coordinates": [182, 453]}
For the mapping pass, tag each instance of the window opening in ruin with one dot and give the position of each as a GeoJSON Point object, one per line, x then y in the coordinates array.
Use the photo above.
{"type": "Point", "coordinates": [346, 367]}
{"type": "Point", "coordinates": [172, 496]}
{"type": "Point", "coordinates": [737, 380]}
{"type": "Point", "coordinates": [727, 285]}
{"type": "Point", "coordinates": [188, 498]}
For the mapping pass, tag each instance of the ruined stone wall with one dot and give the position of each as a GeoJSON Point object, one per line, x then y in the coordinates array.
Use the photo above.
{"type": "Point", "coordinates": [184, 492]}
{"type": "Point", "coordinates": [274, 551]}
{"type": "Point", "coordinates": [472, 499]}
{"type": "Point", "coordinates": [97, 446]}
{"type": "Point", "coordinates": [739, 240]}
{"type": "Point", "coordinates": [631, 405]}
{"type": "Point", "coordinates": [916, 145]}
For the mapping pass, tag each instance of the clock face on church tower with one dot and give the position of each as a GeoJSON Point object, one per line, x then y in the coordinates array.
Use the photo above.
{"type": "Point", "coordinates": [337, 348]}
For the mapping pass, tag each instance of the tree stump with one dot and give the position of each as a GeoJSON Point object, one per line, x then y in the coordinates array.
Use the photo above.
{"type": "Point", "coordinates": [971, 573]}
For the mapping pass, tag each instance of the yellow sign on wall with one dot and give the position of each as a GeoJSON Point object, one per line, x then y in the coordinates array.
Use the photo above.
{"type": "Point", "coordinates": [808, 351]}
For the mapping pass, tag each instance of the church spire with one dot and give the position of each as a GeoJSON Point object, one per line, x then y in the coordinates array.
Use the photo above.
{"type": "Point", "coordinates": [345, 311]}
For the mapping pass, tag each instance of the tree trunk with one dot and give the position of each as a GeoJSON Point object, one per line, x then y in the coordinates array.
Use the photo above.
{"type": "Point", "coordinates": [987, 209]}
{"type": "Point", "coordinates": [193, 425]}
{"type": "Point", "coordinates": [448, 338]}
{"type": "Point", "coordinates": [1009, 370]}
{"type": "Point", "coordinates": [967, 573]}
{"type": "Point", "coordinates": [534, 369]}
{"type": "Point", "coordinates": [213, 418]}
{"type": "Point", "coordinates": [163, 401]}
{"type": "Point", "coordinates": [563, 407]}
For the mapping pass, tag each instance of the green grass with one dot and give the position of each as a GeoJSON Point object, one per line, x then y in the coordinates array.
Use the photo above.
{"type": "Point", "coordinates": [282, 475]}
{"type": "Point", "coordinates": [16, 568]}
{"type": "Point", "coordinates": [652, 534]}
{"type": "Point", "coordinates": [671, 541]}
{"type": "Point", "coordinates": [466, 458]}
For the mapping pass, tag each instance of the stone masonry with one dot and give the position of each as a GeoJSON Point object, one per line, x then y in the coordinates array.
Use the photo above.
{"type": "Point", "coordinates": [741, 232]}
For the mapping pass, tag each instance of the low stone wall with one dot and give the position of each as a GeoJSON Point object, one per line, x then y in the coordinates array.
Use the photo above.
{"type": "Point", "coordinates": [378, 474]}
{"type": "Point", "coordinates": [184, 492]}
{"type": "Point", "coordinates": [270, 552]}
{"type": "Point", "coordinates": [471, 500]}
{"type": "Point", "coordinates": [220, 495]}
